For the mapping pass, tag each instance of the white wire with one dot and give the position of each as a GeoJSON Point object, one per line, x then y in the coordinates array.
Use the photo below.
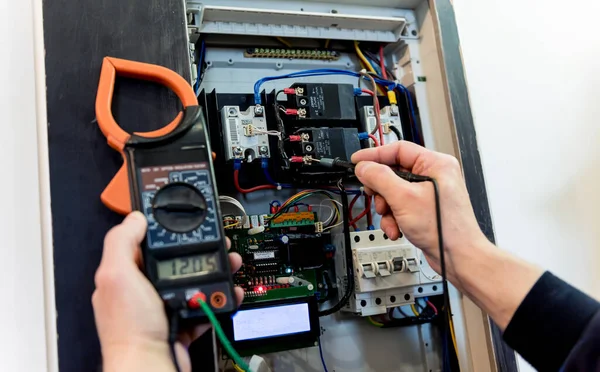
{"type": "Point", "coordinates": [321, 206]}
{"type": "Point", "coordinates": [267, 132]}
{"type": "Point", "coordinates": [232, 201]}
{"type": "Point", "coordinates": [331, 227]}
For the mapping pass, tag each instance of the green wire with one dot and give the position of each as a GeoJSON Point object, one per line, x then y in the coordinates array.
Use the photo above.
{"type": "Point", "coordinates": [224, 341]}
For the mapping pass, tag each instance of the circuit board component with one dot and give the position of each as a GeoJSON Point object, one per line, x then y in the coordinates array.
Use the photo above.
{"type": "Point", "coordinates": [285, 259]}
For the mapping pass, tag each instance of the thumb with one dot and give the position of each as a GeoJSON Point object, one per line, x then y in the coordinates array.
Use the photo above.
{"type": "Point", "coordinates": [121, 244]}
{"type": "Point", "coordinates": [381, 179]}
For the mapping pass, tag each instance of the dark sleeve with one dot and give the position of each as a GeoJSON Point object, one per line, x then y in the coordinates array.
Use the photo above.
{"type": "Point", "coordinates": [549, 323]}
{"type": "Point", "coordinates": [585, 356]}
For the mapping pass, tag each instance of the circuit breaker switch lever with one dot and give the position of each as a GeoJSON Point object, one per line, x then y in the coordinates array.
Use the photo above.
{"type": "Point", "coordinates": [369, 270]}
{"type": "Point", "coordinates": [383, 269]}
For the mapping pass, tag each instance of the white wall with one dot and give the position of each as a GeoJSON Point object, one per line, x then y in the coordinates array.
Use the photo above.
{"type": "Point", "coordinates": [534, 79]}
{"type": "Point", "coordinates": [22, 317]}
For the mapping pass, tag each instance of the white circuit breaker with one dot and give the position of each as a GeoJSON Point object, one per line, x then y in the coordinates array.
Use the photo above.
{"type": "Point", "coordinates": [389, 117]}
{"type": "Point", "coordinates": [387, 273]}
{"type": "Point", "coordinates": [245, 133]}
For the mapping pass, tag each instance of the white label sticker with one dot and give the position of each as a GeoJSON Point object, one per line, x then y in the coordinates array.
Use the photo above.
{"type": "Point", "coordinates": [264, 255]}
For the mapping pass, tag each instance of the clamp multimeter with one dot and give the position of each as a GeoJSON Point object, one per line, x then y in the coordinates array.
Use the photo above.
{"type": "Point", "coordinates": [168, 175]}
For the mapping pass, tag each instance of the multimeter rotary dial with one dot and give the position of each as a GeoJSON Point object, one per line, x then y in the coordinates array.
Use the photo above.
{"type": "Point", "coordinates": [179, 207]}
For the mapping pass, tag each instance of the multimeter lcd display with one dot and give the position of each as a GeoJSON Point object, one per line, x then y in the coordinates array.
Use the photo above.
{"type": "Point", "coordinates": [182, 267]}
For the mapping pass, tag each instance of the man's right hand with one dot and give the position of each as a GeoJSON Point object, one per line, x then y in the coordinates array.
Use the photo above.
{"type": "Point", "coordinates": [409, 207]}
{"type": "Point", "coordinates": [495, 280]}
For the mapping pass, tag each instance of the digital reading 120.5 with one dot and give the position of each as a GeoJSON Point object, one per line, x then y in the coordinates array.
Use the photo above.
{"type": "Point", "coordinates": [187, 266]}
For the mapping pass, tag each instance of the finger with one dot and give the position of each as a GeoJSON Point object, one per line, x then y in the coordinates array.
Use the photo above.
{"type": "Point", "coordinates": [183, 357]}
{"type": "Point", "coordinates": [381, 179]}
{"type": "Point", "coordinates": [403, 153]}
{"type": "Point", "coordinates": [235, 261]}
{"type": "Point", "coordinates": [368, 191]}
{"type": "Point", "coordinates": [239, 295]}
{"type": "Point", "coordinates": [389, 226]}
{"type": "Point", "coordinates": [189, 335]}
{"type": "Point", "coordinates": [121, 244]}
{"type": "Point", "coordinates": [381, 206]}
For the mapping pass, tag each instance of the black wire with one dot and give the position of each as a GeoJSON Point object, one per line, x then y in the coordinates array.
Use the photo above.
{"type": "Point", "coordinates": [281, 129]}
{"type": "Point", "coordinates": [375, 59]}
{"type": "Point", "coordinates": [396, 132]}
{"type": "Point", "coordinates": [445, 312]}
{"type": "Point", "coordinates": [173, 330]}
{"type": "Point", "coordinates": [348, 251]}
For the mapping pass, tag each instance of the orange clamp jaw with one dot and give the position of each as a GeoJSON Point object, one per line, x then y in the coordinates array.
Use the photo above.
{"type": "Point", "coordinates": [117, 196]}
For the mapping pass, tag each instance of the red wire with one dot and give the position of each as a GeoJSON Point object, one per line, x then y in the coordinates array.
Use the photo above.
{"type": "Point", "coordinates": [374, 139]}
{"type": "Point", "coordinates": [368, 202]}
{"type": "Point", "coordinates": [367, 91]}
{"type": "Point", "coordinates": [236, 182]}
{"type": "Point", "coordinates": [377, 111]}
{"type": "Point", "coordinates": [357, 218]}
{"type": "Point", "coordinates": [367, 209]}
{"type": "Point", "coordinates": [350, 210]}
{"type": "Point", "coordinates": [435, 310]}
{"type": "Point", "coordinates": [381, 63]}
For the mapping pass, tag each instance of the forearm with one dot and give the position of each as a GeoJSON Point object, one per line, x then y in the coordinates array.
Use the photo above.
{"type": "Point", "coordinates": [542, 317]}
{"type": "Point", "coordinates": [149, 357]}
{"type": "Point", "coordinates": [494, 279]}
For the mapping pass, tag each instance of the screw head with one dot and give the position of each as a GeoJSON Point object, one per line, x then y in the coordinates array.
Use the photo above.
{"type": "Point", "coordinates": [258, 110]}
{"type": "Point", "coordinates": [237, 151]}
{"type": "Point", "coordinates": [263, 150]}
{"type": "Point", "coordinates": [303, 101]}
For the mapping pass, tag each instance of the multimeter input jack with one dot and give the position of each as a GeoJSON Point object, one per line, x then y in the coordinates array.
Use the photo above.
{"type": "Point", "coordinates": [218, 300]}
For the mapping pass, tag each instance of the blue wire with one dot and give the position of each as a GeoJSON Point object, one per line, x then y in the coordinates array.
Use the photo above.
{"type": "Point", "coordinates": [374, 66]}
{"type": "Point", "coordinates": [321, 353]}
{"type": "Point", "coordinates": [315, 72]}
{"type": "Point", "coordinates": [200, 63]}
{"type": "Point", "coordinates": [412, 108]}
{"type": "Point", "coordinates": [272, 182]}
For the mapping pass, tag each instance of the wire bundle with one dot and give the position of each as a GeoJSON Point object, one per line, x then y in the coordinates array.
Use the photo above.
{"type": "Point", "coordinates": [295, 199]}
{"type": "Point", "coordinates": [428, 314]}
{"type": "Point", "coordinates": [370, 62]}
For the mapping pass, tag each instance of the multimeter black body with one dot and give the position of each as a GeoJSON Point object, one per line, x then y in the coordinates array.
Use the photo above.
{"type": "Point", "coordinates": [172, 182]}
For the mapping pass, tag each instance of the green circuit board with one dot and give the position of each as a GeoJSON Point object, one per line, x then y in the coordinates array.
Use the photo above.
{"type": "Point", "coordinates": [291, 250]}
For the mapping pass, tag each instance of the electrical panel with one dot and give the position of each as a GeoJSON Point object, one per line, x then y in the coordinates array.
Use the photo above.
{"type": "Point", "coordinates": [288, 92]}
{"type": "Point", "coordinates": [245, 134]}
{"type": "Point", "coordinates": [388, 273]}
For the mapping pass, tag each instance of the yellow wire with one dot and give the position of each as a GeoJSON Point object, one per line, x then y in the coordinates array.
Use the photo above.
{"type": "Point", "coordinates": [238, 368]}
{"type": "Point", "coordinates": [414, 309]}
{"type": "Point", "coordinates": [373, 322]}
{"type": "Point", "coordinates": [366, 64]}
{"type": "Point", "coordinates": [231, 225]}
{"type": "Point", "coordinates": [452, 333]}
{"type": "Point", "coordinates": [327, 43]}
{"type": "Point", "coordinates": [284, 41]}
